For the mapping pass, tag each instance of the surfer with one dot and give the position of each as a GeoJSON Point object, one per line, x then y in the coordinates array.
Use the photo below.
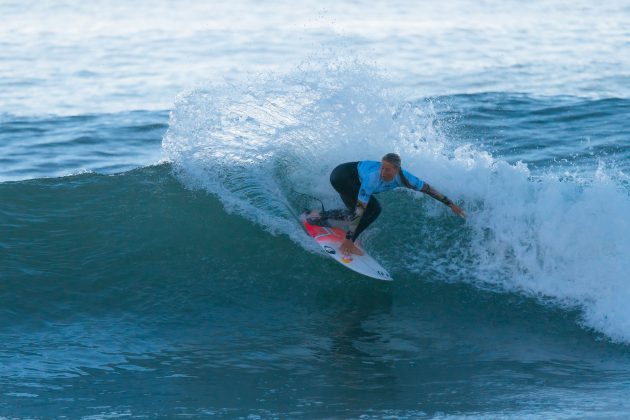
{"type": "Point", "coordinates": [357, 182]}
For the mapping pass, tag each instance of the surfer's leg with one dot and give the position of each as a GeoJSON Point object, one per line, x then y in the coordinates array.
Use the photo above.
{"type": "Point", "coordinates": [372, 212]}
{"type": "Point", "coordinates": [345, 180]}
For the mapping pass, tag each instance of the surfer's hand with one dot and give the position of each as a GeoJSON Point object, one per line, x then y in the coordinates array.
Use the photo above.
{"type": "Point", "coordinates": [348, 247]}
{"type": "Point", "coordinates": [457, 210]}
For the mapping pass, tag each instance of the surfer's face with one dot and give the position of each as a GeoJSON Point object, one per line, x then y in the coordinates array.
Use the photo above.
{"type": "Point", "coordinates": [388, 171]}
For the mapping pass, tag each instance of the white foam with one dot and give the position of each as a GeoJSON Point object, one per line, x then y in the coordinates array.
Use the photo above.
{"type": "Point", "coordinates": [551, 238]}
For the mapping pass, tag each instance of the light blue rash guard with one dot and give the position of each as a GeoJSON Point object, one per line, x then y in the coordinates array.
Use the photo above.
{"type": "Point", "coordinates": [371, 182]}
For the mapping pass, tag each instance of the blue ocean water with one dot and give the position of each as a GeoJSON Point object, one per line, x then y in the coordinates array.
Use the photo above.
{"type": "Point", "coordinates": [150, 265]}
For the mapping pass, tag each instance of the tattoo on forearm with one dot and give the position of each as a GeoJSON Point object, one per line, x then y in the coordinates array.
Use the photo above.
{"type": "Point", "coordinates": [427, 189]}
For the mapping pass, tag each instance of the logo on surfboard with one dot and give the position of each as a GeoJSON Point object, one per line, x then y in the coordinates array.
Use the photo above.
{"type": "Point", "coordinates": [329, 250]}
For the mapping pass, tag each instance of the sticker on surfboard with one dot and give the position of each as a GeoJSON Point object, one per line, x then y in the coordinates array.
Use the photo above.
{"type": "Point", "coordinates": [330, 239]}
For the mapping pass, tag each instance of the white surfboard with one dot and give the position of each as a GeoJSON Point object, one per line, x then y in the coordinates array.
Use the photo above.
{"type": "Point", "coordinates": [330, 239]}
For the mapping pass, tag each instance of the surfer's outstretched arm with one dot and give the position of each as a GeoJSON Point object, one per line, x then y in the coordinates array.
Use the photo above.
{"type": "Point", "coordinates": [429, 190]}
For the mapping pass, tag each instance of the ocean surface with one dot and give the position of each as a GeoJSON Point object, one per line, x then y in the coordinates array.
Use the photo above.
{"type": "Point", "coordinates": [150, 265]}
